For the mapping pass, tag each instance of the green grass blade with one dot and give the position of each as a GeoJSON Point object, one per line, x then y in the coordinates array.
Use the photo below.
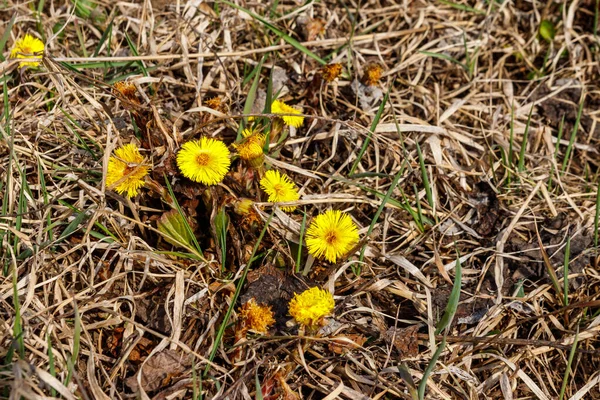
{"type": "Point", "coordinates": [569, 363]}
{"type": "Point", "coordinates": [259, 395]}
{"type": "Point", "coordinates": [566, 271]}
{"type": "Point", "coordinates": [221, 225]}
{"type": "Point", "coordinates": [452, 300]}
{"type": "Point", "coordinates": [135, 53]}
{"type": "Point", "coordinates": [51, 366]}
{"type": "Point", "coordinates": [408, 380]}
{"type": "Point", "coordinates": [521, 166]}
{"type": "Point", "coordinates": [18, 325]}
{"type": "Point", "coordinates": [236, 295]}
{"type": "Point", "coordinates": [197, 249]}
{"type": "Point", "coordinates": [374, 124]}
{"type": "Point", "coordinates": [425, 178]}
{"type": "Point", "coordinates": [278, 32]}
{"type": "Point", "coordinates": [6, 35]}
{"type": "Point", "coordinates": [105, 35]}
{"type": "Point", "coordinates": [462, 7]}
{"type": "Point", "coordinates": [445, 57]}
{"type": "Point", "coordinates": [300, 240]}
{"type": "Point", "coordinates": [251, 97]}
{"type": "Point", "coordinates": [597, 216]}
{"type": "Point", "coordinates": [379, 211]}
{"type": "Point", "coordinates": [573, 136]}
{"type": "Point", "coordinates": [429, 369]}
{"type": "Point", "coordinates": [76, 343]}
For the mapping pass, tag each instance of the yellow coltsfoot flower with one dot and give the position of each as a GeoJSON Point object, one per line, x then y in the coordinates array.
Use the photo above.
{"type": "Point", "coordinates": [309, 307]}
{"type": "Point", "coordinates": [331, 235]}
{"type": "Point", "coordinates": [126, 170]}
{"type": "Point", "coordinates": [27, 47]}
{"type": "Point", "coordinates": [206, 160]}
{"type": "Point", "coordinates": [250, 148]}
{"type": "Point", "coordinates": [279, 107]}
{"type": "Point", "coordinates": [256, 317]}
{"type": "Point", "coordinates": [279, 188]}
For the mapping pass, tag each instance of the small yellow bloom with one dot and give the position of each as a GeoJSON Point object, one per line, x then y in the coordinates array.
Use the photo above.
{"type": "Point", "coordinates": [279, 107]}
{"type": "Point", "coordinates": [372, 74]}
{"type": "Point", "coordinates": [331, 235]}
{"type": "Point", "coordinates": [309, 307]}
{"type": "Point", "coordinates": [127, 90]}
{"type": "Point", "coordinates": [331, 71]}
{"type": "Point", "coordinates": [205, 160]}
{"type": "Point", "coordinates": [126, 170]}
{"type": "Point", "coordinates": [256, 317]}
{"type": "Point", "coordinates": [279, 188]}
{"type": "Point", "coordinates": [251, 147]}
{"type": "Point", "coordinates": [27, 47]}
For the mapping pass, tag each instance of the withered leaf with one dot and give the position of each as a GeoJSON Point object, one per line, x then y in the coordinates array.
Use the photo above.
{"type": "Point", "coordinates": [405, 340]}
{"type": "Point", "coordinates": [159, 370]}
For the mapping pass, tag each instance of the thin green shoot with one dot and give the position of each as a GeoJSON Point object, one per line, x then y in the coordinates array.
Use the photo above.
{"type": "Point", "coordinates": [18, 324]}
{"type": "Point", "coordinates": [197, 249]}
{"type": "Point", "coordinates": [566, 272]}
{"type": "Point", "coordinates": [290, 40]}
{"type": "Point", "coordinates": [76, 344]}
{"type": "Point", "coordinates": [462, 7]}
{"type": "Point", "coordinates": [429, 369]}
{"type": "Point", "coordinates": [569, 363]}
{"type": "Point", "coordinates": [418, 203]}
{"type": "Point", "coordinates": [573, 135]}
{"type": "Point", "coordinates": [453, 300]}
{"type": "Point", "coordinates": [51, 366]}
{"type": "Point", "coordinates": [300, 242]}
{"type": "Point", "coordinates": [425, 178]}
{"type": "Point", "coordinates": [561, 127]}
{"type": "Point", "coordinates": [597, 216]}
{"type": "Point", "coordinates": [371, 131]}
{"type": "Point", "coordinates": [251, 97]}
{"type": "Point", "coordinates": [259, 395]}
{"type": "Point", "coordinates": [236, 295]}
{"type": "Point", "coordinates": [385, 200]}
{"type": "Point", "coordinates": [521, 166]}
{"type": "Point", "coordinates": [509, 161]}
{"type": "Point", "coordinates": [6, 35]}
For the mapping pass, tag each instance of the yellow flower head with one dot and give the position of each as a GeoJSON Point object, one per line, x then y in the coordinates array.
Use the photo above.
{"type": "Point", "coordinates": [256, 317]}
{"type": "Point", "coordinates": [27, 47]}
{"type": "Point", "coordinates": [309, 307]}
{"type": "Point", "coordinates": [372, 74]}
{"type": "Point", "coordinates": [251, 147]}
{"type": "Point", "coordinates": [279, 107]}
{"type": "Point", "coordinates": [279, 188]}
{"type": "Point", "coordinates": [331, 235]}
{"type": "Point", "coordinates": [205, 160]}
{"type": "Point", "coordinates": [127, 90]}
{"type": "Point", "coordinates": [331, 71]}
{"type": "Point", "coordinates": [126, 170]}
